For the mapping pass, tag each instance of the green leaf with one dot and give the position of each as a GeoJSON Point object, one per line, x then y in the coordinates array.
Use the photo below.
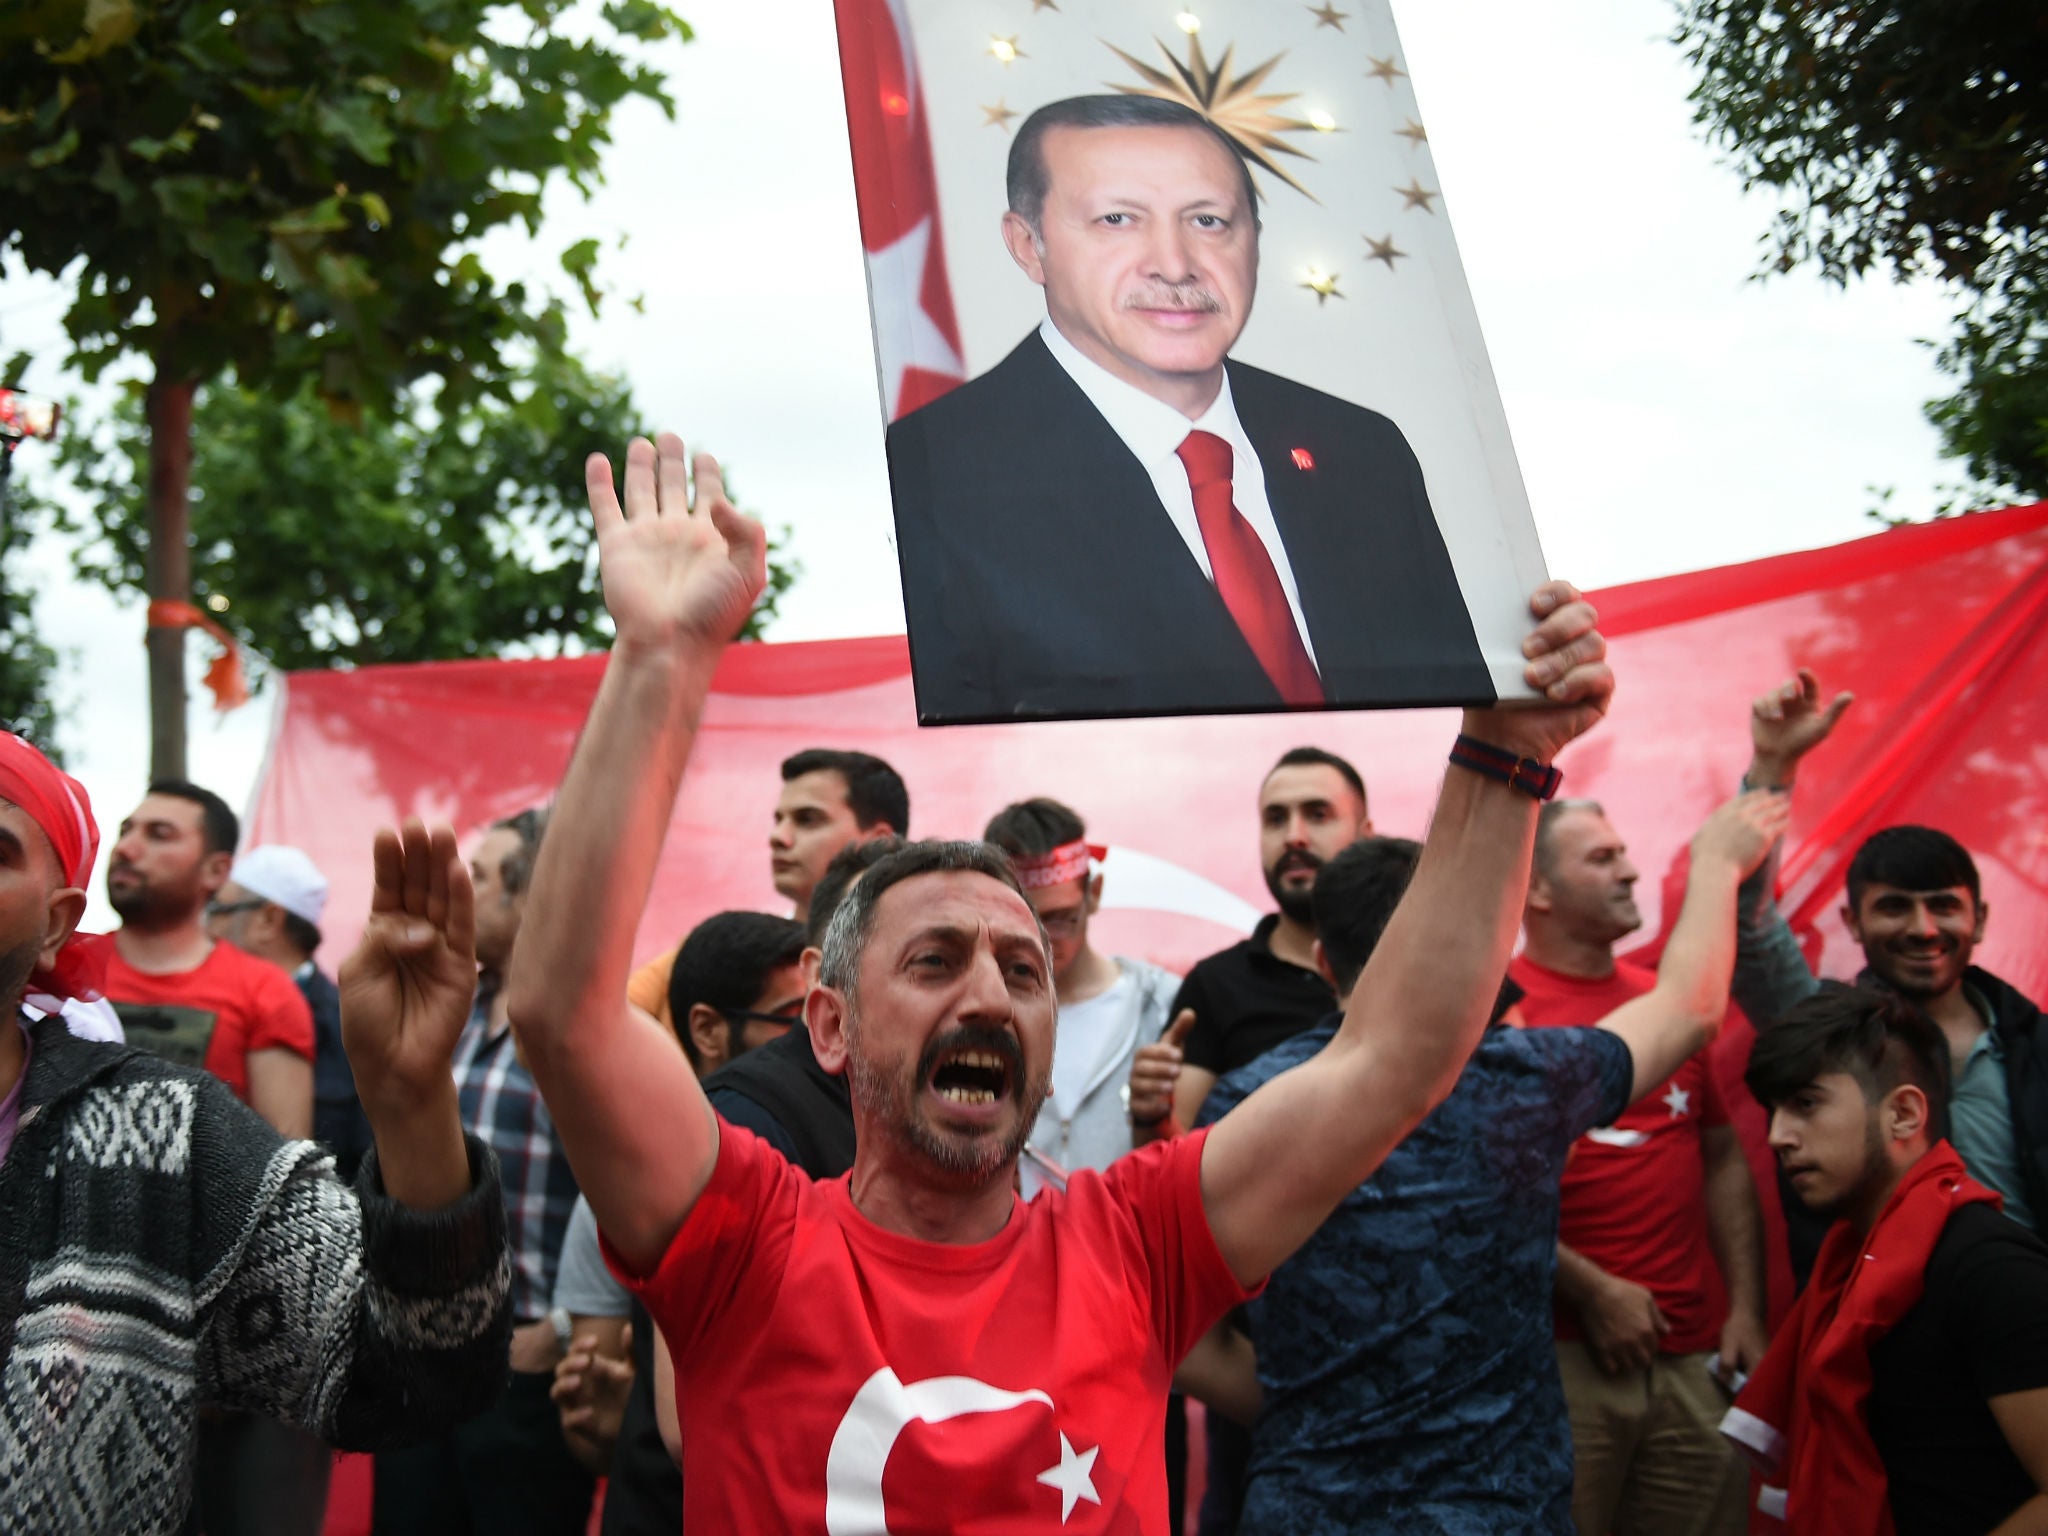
{"type": "Point", "coordinates": [108, 24]}
{"type": "Point", "coordinates": [323, 218]}
{"type": "Point", "coordinates": [56, 153]}
{"type": "Point", "coordinates": [358, 122]}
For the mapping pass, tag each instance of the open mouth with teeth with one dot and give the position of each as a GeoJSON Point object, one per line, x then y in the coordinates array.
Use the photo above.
{"type": "Point", "coordinates": [971, 1076]}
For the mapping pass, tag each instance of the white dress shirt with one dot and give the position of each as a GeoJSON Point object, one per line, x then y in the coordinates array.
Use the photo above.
{"type": "Point", "coordinates": [1154, 431]}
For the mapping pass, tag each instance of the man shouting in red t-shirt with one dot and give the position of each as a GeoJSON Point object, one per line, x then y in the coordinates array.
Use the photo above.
{"type": "Point", "coordinates": [911, 1348]}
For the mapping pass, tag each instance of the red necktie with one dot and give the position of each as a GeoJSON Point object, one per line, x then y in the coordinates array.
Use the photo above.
{"type": "Point", "coordinates": [1245, 578]}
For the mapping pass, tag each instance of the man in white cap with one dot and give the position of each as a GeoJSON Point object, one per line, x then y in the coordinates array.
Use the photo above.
{"type": "Point", "coordinates": [257, 1473]}
{"type": "Point", "coordinates": [271, 908]}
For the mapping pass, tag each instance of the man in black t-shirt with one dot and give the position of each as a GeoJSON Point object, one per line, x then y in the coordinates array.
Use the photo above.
{"type": "Point", "coordinates": [1242, 1001]}
{"type": "Point", "coordinates": [1913, 1373]}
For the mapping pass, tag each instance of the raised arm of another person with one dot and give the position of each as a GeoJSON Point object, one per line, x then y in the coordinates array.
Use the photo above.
{"type": "Point", "coordinates": [1771, 973]}
{"type": "Point", "coordinates": [1683, 1012]}
{"type": "Point", "coordinates": [1222, 1374]}
{"type": "Point", "coordinates": [1275, 1167]}
{"type": "Point", "coordinates": [377, 1317]}
{"type": "Point", "coordinates": [679, 581]}
{"type": "Point", "coordinates": [1735, 1229]}
{"type": "Point", "coordinates": [281, 1087]}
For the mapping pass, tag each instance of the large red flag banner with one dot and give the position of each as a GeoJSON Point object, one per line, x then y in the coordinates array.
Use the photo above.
{"type": "Point", "coordinates": [1941, 630]}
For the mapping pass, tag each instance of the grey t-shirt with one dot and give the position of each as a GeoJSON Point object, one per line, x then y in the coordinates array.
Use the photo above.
{"type": "Point", "coordinates": [584, 1286]}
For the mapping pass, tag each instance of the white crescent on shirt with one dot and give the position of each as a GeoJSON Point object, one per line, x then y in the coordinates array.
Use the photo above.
{"type": "Point", "coordinates": [884, 1407]}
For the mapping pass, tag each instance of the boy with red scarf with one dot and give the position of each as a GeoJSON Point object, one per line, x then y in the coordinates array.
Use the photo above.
{"type": "Point", "coordinates": [1908, 1391]}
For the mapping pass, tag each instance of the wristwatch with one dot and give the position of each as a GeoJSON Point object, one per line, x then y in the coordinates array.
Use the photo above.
{"type": "Point", "coordinates": [558, 1319]}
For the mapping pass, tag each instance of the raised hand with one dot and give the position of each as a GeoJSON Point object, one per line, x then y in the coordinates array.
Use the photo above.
{"type": "Point", "coordinates": [1743, 830]}
{"type": "Point", "coordinates": [1786, 724]}
{"type": "Point", "coordinates": [1156, 1068]}
{"type": "Point", "coordinates": [406, 991]}
{"type": "Point", "coordinates": [673, 572]}
{"type": "Point", "coordinates": [1567, 663]}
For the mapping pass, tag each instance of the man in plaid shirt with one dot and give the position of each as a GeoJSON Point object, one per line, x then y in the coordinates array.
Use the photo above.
{"type": "Point", "coordinates": [507, 1470]}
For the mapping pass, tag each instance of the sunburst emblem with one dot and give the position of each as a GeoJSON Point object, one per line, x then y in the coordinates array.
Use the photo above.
{"type": "Point", "coordinates": [1229, 100]}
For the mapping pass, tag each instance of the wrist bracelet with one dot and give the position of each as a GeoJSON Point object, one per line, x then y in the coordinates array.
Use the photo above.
{"type": "Point", "coordinates": [1539, 781]}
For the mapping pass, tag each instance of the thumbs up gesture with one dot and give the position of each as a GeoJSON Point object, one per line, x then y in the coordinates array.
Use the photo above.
{"type": "Point", "coordinates": [1155, 1069]}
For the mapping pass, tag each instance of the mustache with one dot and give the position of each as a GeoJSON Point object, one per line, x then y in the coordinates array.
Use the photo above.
{"type": "Point", "coordinates": [971, 1037]}
{"type": "Point", "coordinates": [1192, 297]}
{"type": "Point", "coordinates": [1297, 859]}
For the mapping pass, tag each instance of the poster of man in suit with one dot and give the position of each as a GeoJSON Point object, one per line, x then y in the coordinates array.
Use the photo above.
{"type": "Point", "coordinates": [1117, 489]}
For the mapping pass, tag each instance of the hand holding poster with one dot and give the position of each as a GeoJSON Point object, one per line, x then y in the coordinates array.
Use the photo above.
{"type": "Point", "coordinates": [1142, 499]}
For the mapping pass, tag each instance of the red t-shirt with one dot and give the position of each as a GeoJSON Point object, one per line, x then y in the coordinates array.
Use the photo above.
{"type": "Point", "coordinates": [213, 1015]}
{"type": "Point", "coordinates": [1634, 1198]}
{"type": "Point", "coordinates": [832, 1376]}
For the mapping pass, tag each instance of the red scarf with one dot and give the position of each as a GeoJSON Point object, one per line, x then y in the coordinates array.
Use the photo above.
{"type": "Point", "coordinates": [1803, 1413]}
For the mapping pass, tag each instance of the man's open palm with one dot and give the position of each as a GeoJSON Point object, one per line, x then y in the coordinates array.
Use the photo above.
{"type": "Point", "coordinates": [407, 989]}
{"type": "Point", "coordinates": [670, 570]}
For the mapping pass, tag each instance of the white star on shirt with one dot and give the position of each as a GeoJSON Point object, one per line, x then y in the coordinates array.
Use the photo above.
{"type": "Point", "coordinates": [1072, 1477]}
{"type": "Point", "coordinates": [1680, 1102]}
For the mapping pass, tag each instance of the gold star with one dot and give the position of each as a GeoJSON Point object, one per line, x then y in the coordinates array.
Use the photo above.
{"type": "Point", "coordinates": [1385, 69]}
{"type": "Point", "coordinates": [1042, 5]}
{"type": "Point", "coordinates": [1006, 49]}
{"type": "Point", "coordinates": [1327, 15]}
{"type": "Point", "coordinates": [1417, 194]}
{"type": "Point", "coordinates": [1323, 285]}
{"type": "Point", "coordinates": [1414, 131]}
{"type": "Point", "coordinates": [1229, 101]}
{"type": "Point", "coordinates": [998, 116]}
{"type": "Point", "coordinates": [1383, 250]}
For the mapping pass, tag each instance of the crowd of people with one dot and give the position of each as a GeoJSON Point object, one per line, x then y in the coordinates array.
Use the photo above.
{"type": "Point", "coordinates": [909, 1208]}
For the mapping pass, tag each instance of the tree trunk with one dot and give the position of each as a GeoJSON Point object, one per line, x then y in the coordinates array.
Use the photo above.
{"type": "Point", "coordinates": [169, 409]}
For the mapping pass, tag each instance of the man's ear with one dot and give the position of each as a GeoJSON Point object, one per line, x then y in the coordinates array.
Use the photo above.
{"type": "Point", "coordinates": [60, 921]}
{"type": "Point", "coordinates": [1977, 933]}
{"type": "Point", "coordinates": [825, 1017]}
{"type": "Point", "coordinates": [1095, 895]}
{"type": "Point", "coordinates": [270, 922]}
{"type": "Point", "coordinates": [213, 871]}
{"type": "Point", "coordinates": [808, 963]}
{"type": "Point", "coordinates": [1906, 1114]}
{"type": "Point", "coordinates": [1023, 246]}
{"type": "Point", "coordinates": [1849, 921]}
{"type": "Point", "coordinates": [707, 1033]}
{"type": "Point", "coordinates": [1539, 898]}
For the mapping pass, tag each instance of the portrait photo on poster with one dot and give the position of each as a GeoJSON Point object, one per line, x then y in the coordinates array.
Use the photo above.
{"type": "Point", "coordinates": [1187, 406]}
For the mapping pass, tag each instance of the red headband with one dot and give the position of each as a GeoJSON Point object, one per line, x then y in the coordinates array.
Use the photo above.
{"type": "Point", "coordinates": [1067, 862]}
{"type": "Point", "coordinates": [57, 803]}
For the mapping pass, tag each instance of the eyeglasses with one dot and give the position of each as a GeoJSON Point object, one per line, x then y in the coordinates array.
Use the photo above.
{"type": "Point", "coordinates": [230, 908]}
{"type": "Point", "coordinates": [748, 1016]}
{"type": "Point", "coordinates": [1065, 922]}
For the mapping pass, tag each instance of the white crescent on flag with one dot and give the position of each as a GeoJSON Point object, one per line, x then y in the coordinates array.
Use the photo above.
{"type": "Point", "coordinates": [917, 337]}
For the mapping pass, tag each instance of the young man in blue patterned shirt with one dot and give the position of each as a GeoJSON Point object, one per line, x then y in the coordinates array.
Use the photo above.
{"type": "Point", "coordinates": [1405, 1351]}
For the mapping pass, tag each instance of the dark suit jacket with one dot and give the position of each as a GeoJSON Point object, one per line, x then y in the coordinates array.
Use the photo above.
{"type": "Point", "coordinates": [1042, 578]}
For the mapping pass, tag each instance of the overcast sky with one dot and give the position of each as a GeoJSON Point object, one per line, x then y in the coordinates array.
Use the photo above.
{"type": "Point", "coordinates": [1669, 413]}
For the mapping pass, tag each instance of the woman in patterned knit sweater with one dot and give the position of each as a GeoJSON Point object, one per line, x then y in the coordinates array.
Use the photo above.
{"type": "Point", "coordinates": [161, 1248]}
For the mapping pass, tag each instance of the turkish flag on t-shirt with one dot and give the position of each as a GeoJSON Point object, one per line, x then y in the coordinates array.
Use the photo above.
{"type": "Point", "coordinates": [835, 1376]}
